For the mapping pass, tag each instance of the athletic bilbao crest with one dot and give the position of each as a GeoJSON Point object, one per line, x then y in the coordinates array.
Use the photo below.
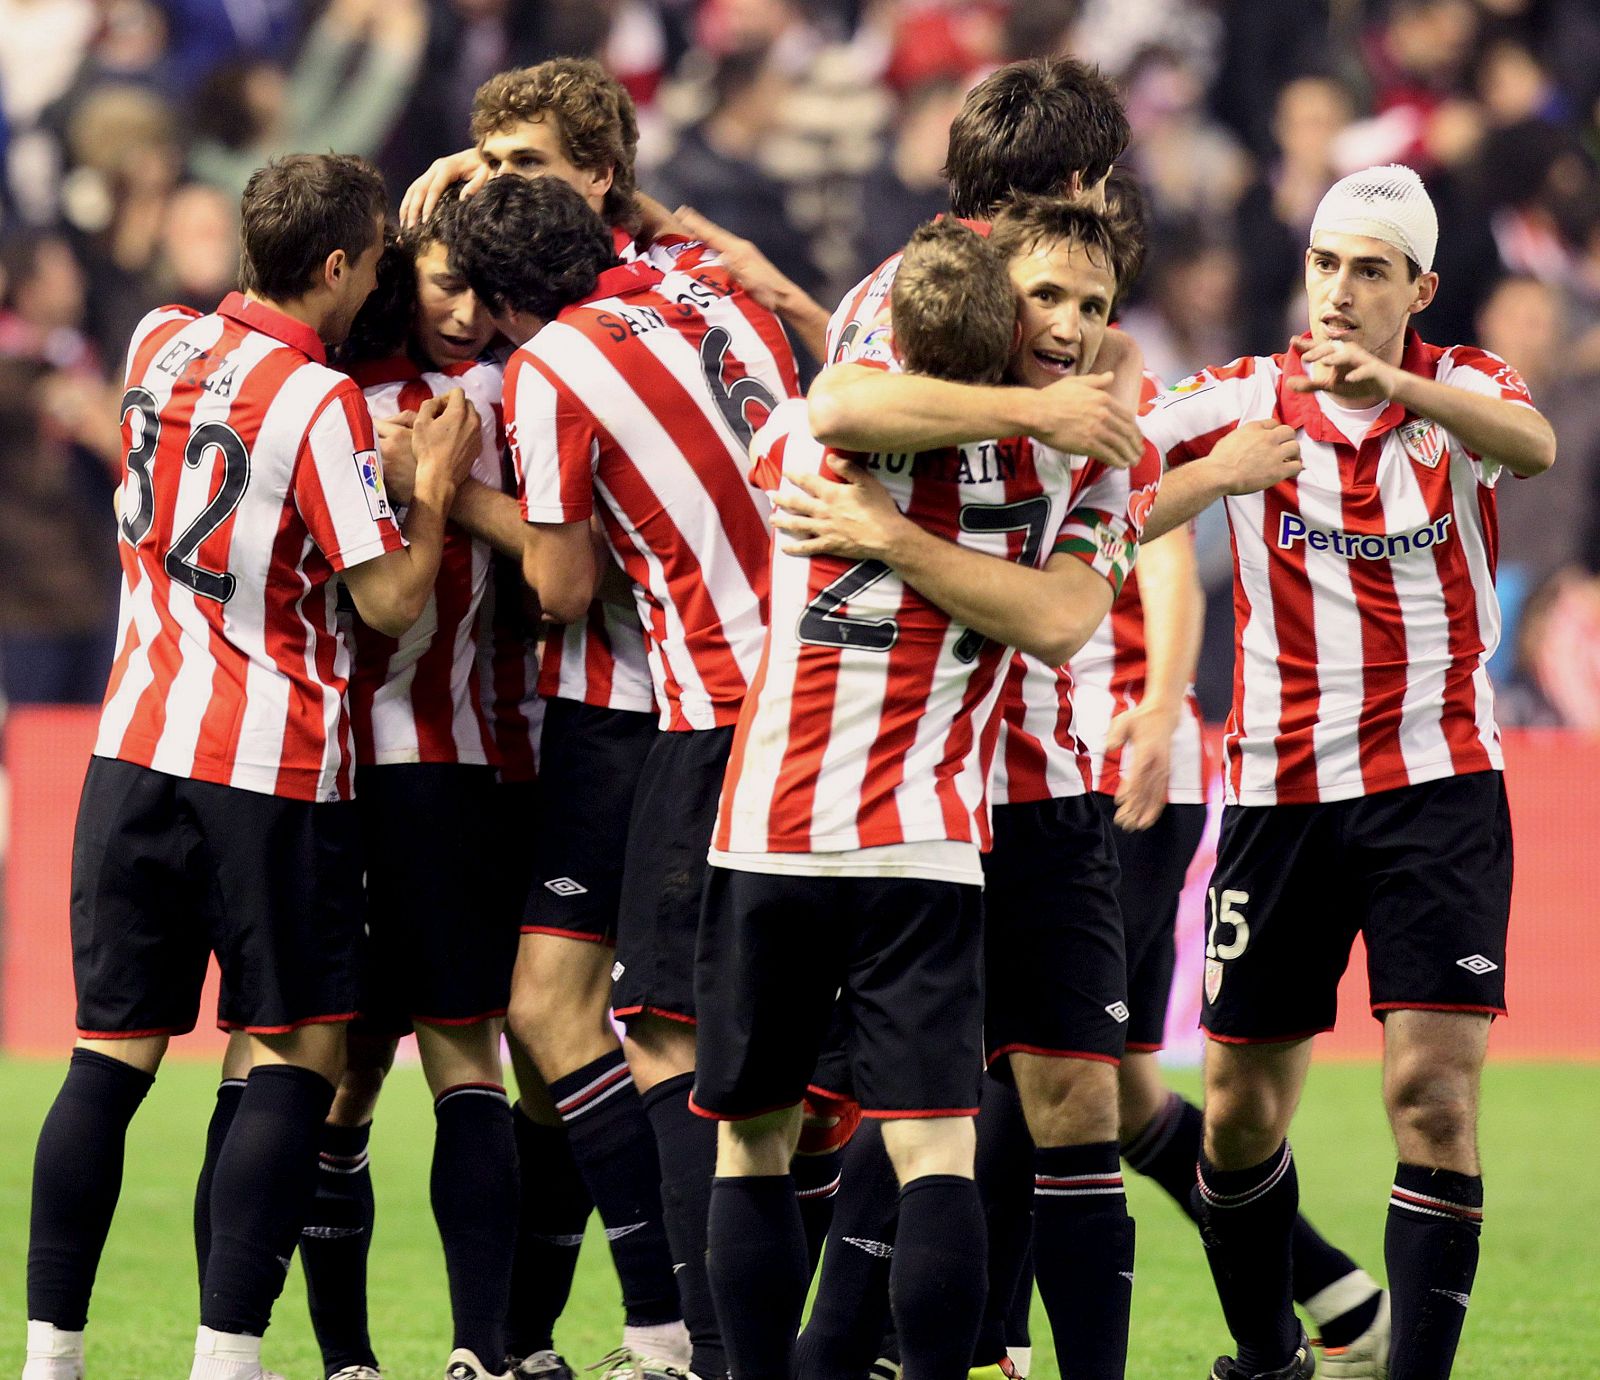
{"type": "Point", "coordinates": [1424, 442]}
{"type": "Point", "coordinates": [371, 473]}
{"type": "Point", "coordinates": [1213, 979]}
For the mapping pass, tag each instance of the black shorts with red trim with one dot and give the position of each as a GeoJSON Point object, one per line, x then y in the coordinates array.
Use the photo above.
{"type": "Point", "coordinates": [590, 759]}
{"type": "Point", "coordinates": [1055, 977]}
{"type": "Point", "coordinates": [663, 879]}
{"type": "Point", "coordinates": [166, 871]}
{"type": "Point", "coordinates": [516, 818]}
{"type": "Point", "coordinates": [1153, 863]}
{"type": "Point", "coordinates": [1422, 872]}
{"type": "Point", "coordinates": [441, 947]}
{"type": "Point", "coordinates": [781, 958]}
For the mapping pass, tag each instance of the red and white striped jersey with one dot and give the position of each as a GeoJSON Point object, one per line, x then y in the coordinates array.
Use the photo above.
{"type": "Point", "coordinates": [645, 395]}
{"type": "Point", "coordinates": [863, 726]}
{"type": "Point", "coordinates": [250, 476]}
{"type": "Point", "coordinates": [1108, 676]}
{"type": "Point", "coordinates": [415, 698]}
{"type": "Point", "coordinates": [867, 305]}
{"type": "Point", "coordinates": [1038, 754]}
{"type": "Point", "coordinates": [602, 660]}
{"type": "Point", "coordinates": [1364, 601]}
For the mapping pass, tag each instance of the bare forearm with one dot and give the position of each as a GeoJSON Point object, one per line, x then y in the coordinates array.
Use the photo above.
{"type": "Point", "coordinates": [492, 517]}
{"type": "Point", "coordinates": [1174, 617]}
{"type": "Point", "coordinates": [808, 320]}
{"type": "Point", "coordinates": [1518, 437]}
{"type": "Point", "coordinates": [1185, 493]}
{"type": "Point", "coordinates": [856, 408]}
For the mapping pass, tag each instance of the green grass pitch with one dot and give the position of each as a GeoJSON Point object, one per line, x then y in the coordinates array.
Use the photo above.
{"type": "Point", "coordinates": [1535, 1311]}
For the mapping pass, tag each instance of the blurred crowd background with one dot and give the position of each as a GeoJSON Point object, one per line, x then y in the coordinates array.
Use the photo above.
{"type": "Point", "coordinates": [128, 128]}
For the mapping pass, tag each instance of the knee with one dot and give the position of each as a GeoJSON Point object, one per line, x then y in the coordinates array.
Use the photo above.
{"type": "Point", "coordinates": [1245, 1119]}
{"type": "Point", "coordinates": [761, 1146]}
{"type": "Point", "coordinates": [1067, 1101]}
{"type": "Point", "coordinates": [1432, 1113]}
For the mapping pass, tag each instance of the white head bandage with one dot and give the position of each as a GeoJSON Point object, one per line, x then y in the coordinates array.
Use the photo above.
{"type": "Point", "coordinates": [1387, 203]}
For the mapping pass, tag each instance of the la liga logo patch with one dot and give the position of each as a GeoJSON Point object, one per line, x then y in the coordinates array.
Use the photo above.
{"type": "Point", "coordinates": [371, 472]}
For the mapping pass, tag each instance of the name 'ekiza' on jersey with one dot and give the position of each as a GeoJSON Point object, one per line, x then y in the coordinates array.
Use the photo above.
{"type": "Point", "coordinates": [863, 726]}
{"type": "Point", "coordinates": [416, 698]}
{"type": "Point", "coordinates": [250, 476]}
{"type": "Point", "coordinates": [646, 395]}
{"type": "Point", "coordinates": [1108, 678]}
{"type": "Point", "coordinates": [1364, 601]}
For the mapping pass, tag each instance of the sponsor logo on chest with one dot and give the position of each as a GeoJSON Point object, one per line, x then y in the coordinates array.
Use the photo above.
{"type": "Point", "coordinates": [1362, 546]}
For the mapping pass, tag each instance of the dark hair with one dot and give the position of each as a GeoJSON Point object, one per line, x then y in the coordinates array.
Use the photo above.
{"type": "Point", "coordinates": [383, 325]}
{"type": "Point", "coordinates": [1128, 210]}
{"type": "Point", "coordinates": [441, 227]}
{"type": "Point", "coordinates": [593, 116]}
{"type": "Point", "coordinates": [1028, 128]}
{"type": "Point", "coordinates": [952, 305]}
{"type": "Point", "coordinates": [530, 245]}
{"type": "Point", "coordinates": [299, 209]}
{"type": "Point", "coordinates": [1025, 222]}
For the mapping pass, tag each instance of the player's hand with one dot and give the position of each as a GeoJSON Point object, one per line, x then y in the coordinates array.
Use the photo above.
{"type": "Point", "coordinates": [446, 440]}
{"type": "Point", "coordinates": [399, 461]}
{"type": "Point", "coordinates": [1255, 456]}
{"type": "Point", "coordinates": [422, 196]}
{"type": "Point", "coordinates": [856, 519]}
{"type": "Point", "coordinates": [1343, 368]}
{"type": "Point", "coordinates": [753, 270]}
{"type": "Point", "coordinates": [1144, 735]}
{"type": "Point", "coordinates": [1082, 416]}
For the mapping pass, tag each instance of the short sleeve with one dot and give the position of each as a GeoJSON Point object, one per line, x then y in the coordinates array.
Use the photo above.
{"type": "Point", "coordinates": [554, 446]}
{"type": "Point", "coordinates": [338, 485]}
{"type": "Point", "coordinates": [1105, 523]}
{"type": "Point", "coordinates": [1489, 376]}
{"type": "Point", "coordinates": [1186, 422]}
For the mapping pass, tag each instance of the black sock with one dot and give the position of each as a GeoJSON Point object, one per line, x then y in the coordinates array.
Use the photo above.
{"type": "Point", "coordinates": [1018, 1321]}
{"type": "Point", "coordinates": [615, 1149]}
{"type": "Point", "coordinates": [756, 1261]}
{"type": "Point", "coordinates": [555, 1208]}
{"type": "Point", "coordinates": [229, 1091]}
{"type": "Point", "coordinates": [816, 1184]}
{"type": "Point", "coordinates": [260, 1194]}
{"type": "Point", "coordinates": [851, 1310]}
{"type": "Point", "coordinates": [333, 1248]}
{"type": "Point", "coordinates": [1247, 1221]}
{"type": "Point", "coordinates": [939, 1276]}
{"type": "Point", "coordinates": [1319, 1265]}
{"type": "Point", "coordinates": [1431, 1248]}
{"type": "Point", "coordinates": [1083, 1255]}
{"type": "Point", "coordinates": [473, 1187]}
{"type": "Point", "coordinates": [1005, 1183]}
{"type": "Point", "coordinates": [77, 1177]}
{"type": "Point", "coordinates": [686, 1146]}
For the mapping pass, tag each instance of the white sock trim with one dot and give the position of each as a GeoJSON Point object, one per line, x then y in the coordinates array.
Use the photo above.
{"type": "Point", "coordinates": [47, 1340]}
{"type": "Point", "coordinates": [228, 1346]}
{"type": "Point", "coordinates": [667, 1342]}
{"type": "Point", "coordinates": [1340, 1297]}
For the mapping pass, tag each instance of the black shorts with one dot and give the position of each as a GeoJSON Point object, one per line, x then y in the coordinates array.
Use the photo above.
{"type": "Point", "coordinates": [1423, 872]}
{"type": "Point", "coordinates": [674, 814]}
{"type": "Point", "coordinates": [167, 871]}
{"type": "Point", "coordinates": [902, 955]}
{"type": "Point", "coordinates": [441, 949]}
{"type": "Point", "coordinates": [1054, 969]}
{"type": "Point", "coordinates": [589, 764]}
{"type": "Point", "coordinates": [515, 821]}
{"type": "Point", "coordinates": [1154, 863]}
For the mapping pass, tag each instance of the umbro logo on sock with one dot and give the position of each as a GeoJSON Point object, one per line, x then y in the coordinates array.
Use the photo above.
{"type": "Point", "coordinates": [569, 1240]}
{"type": "Point", "coordinates": [330, 1233]}
{"type": "Point", "coordinates": [617, 1233]}
{"type": "Point", "coordinates": [565, 886]}
{"type": "Point", "coordinates": [1462, 1299]}
{"type": "Point", "coordinates": [882, 1249]}
{"type": "Point", "coordinates": [1127, 1275]}
{"type": "Point", "coordinates": [1477, 964]}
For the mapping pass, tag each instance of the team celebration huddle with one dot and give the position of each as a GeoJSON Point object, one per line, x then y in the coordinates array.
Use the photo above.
{"type": "Point", "coordinates": [799, 786]}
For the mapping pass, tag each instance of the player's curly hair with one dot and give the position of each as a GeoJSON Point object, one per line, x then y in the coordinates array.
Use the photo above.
{"type": "Point", "coordinates": [594, 116]}
{"type": "Point", "coordinates": [1027, 221]}
{"type": "Point", "coordinates": [952, 305]}
{"type": "Point", "coordinates": [296, 211]}
{"type": "Point", "coordinates": [383, 325]}
{"type": "Point", "coordinates": [530, 245]}
{"type": "Point", "coordinates": [1027, 128]}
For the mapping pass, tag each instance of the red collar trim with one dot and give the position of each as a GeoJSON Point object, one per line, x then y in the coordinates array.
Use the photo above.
{"type": "Point", "coordinates": [621, 240]}
{"type": "Point", "coordinates": [619, 282]}
{"type": "Point", "coordinates": [1304, 413]}
{"type": "Point", "coordinates": [258, 316]}
{"type": "Point", "coordinates": [983, 227]}
{"type": "Point", "coordinates": [374, 373]}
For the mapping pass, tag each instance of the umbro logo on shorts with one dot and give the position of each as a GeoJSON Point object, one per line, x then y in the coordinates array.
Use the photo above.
{"type": "Point", "coordinates": [565, 886]}
{"type": "Point", "coordinates": [1477, 964]}
{"type": "Point", "coordinates": [1118, 1011]}
{"type": "Point", "coordinates": [616, 972]}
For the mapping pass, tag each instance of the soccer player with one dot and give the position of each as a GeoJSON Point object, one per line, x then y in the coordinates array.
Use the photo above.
{"type": "Point", "coordinates": [215, 814]}
{"type": "Point", "coordinates": [1363, 766]}
{"type": "Point", "coordinates": [846, 851]}
{"type": "Point", "coordinates": [570, 120]}
{"type": "Point", "coordinates": [640, 389]}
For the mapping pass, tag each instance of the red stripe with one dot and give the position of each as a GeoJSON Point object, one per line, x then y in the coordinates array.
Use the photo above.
{"type": "Point", "coordinates": [342, 1017]}
{"type": "Point", "coordinates": [1436, 1006]}
{"type": "Point", "coordinates": [901, 1115]}
{"type": "Point", "coordinates": [1294, 618]}
{"type": "Point", "coordinates": [582, 936]}
{"type": "Point", "coordinates": [1041, 1051]}
{"type": "Point", "coordinates": [1262, 1039]}
{"type": "Point", "coordinates": [623, 1012]}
